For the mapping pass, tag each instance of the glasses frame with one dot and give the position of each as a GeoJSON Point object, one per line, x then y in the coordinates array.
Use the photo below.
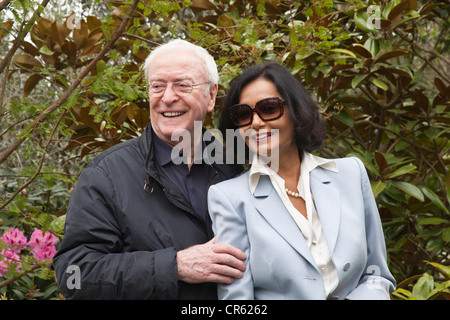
{"type": "Point", "coordinates": [182, 94]}
{"type": "Point", "coordinates": [281, 104]}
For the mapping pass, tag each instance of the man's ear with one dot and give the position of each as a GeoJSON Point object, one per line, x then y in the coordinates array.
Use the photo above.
{"type": "Point", "coordinates": [212, 97]}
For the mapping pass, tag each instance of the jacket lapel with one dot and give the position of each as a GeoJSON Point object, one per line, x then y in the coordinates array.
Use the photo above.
{"type": "Point", "coordinates": [270, 206]}
{"type": "Point", "coordinates": [327, 200]}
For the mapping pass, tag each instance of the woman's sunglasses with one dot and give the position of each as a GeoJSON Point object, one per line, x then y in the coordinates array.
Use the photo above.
{"type": "Point", "coordinates": [268, 109]}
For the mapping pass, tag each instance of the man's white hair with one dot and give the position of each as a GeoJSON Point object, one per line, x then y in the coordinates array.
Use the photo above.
{"type": "Point", "coordinates": [211, 73]}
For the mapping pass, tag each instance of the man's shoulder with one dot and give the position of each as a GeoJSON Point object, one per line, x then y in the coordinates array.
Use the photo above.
{"type": "Point", "coordinates": [124, 151]}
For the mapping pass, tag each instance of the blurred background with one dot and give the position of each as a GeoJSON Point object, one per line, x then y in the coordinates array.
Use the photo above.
{"type": "Point", "coordinates": [71, 86]}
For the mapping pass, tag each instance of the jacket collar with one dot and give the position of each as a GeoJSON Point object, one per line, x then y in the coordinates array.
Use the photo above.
{"type": "Point", "coordinates": [309, 163]}
{"type": "Point", "coordinates": [146, 145]}
{"type": "Point", "coordinates": [326, 198]}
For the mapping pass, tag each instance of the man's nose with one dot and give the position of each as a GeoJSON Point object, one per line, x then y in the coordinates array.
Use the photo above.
{"type": "Point", "coordinates": [169, 95]}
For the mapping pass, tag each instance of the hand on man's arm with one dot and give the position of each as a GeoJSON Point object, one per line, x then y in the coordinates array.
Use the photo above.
{"type": "Point", "coordinates": [210, 262]}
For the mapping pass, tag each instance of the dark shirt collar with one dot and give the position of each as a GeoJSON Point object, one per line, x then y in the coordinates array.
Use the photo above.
{"type": "Point", "coordinates": [163, 151]}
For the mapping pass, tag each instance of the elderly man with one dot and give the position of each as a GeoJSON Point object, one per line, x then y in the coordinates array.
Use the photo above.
{"type": "Point", "coordinates": [137, 225]}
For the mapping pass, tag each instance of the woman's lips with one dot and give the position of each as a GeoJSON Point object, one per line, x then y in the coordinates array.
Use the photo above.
{"type": "Point", "coordinates": [259, 137]}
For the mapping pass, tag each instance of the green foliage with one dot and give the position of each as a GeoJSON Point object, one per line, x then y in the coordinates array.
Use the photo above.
{"type": "Point", "coordinates": [426, 288]}
{"type": "Point", "coordinates": [378, 69]}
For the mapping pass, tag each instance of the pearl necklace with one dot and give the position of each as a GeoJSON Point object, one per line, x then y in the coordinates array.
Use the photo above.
{"type": "Point", "coordinates": [292, 193]}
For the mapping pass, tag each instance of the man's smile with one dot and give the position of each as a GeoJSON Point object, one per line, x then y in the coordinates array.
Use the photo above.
{"type": "Point", "coordinates": [172, 114]}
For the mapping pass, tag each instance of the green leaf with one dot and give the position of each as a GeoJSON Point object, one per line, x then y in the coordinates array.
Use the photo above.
{"type": "Point", "coordinates": [435, 245]}
{"type": "Point", "coordinates": [378, 187]}
{"type": "Point", "coordinates": [45, 50]}
{"type": "Point", "coordinates": [358, 79]}
{"type": "Point", "coordinates": [403, 294]}
{"type": "Point", "coordinates": [432, 220]}
{"type": "Point", "coordinates": [73, 98]}
{"type": "Point", "coordinates": [101, 66]}
{"type": "Point", "coordinates": [434, 198]}
{"type": "Point", "coordinates": [380, 84]}
{"type": "Point", "coordinates": [344, 51]}
{"type": "Point", "coordinates": [345, 118]}
{"type": "Point", "coordinates": [403, 170]}
{"type": "Point", "coordinates": [361, 18]}
{"type": "Point", "coordinates": [373, 45]}
{"type": "Point", "coordinates": [445, 270]}
{"type": "Point", "coordinates": [424, 287]}
{"type": "Point", "coordinates": [446, 235]}
{"type": "Point", "coordinates": [410, 189]}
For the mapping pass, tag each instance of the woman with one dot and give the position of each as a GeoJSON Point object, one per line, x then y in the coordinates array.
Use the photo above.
{"type": "Point", "coordinates": [309, 226]}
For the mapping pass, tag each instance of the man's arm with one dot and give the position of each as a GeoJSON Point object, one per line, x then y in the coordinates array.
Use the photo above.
{"type": "Point", "coordinates": [92, 250]}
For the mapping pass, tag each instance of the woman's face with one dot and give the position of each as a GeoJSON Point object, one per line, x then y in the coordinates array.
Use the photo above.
{"type": "Point", "coordinates": [264, 137]}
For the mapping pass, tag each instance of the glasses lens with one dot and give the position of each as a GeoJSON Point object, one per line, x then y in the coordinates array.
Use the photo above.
{"type": "Point", "coordinates": [241, 114]}
{"type": "Point", "coordinates": [182, 87]}
{"type": "Point", "coordinates": [157, 87]}
{"type": "Point", "coordinates": [270, 108]}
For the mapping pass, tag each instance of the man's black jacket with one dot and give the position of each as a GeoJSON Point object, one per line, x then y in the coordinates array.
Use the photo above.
{"type": "Point", "coordinates": [124, 225]}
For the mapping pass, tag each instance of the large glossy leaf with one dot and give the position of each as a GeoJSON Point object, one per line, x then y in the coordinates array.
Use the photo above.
{"type": "Point", "coordinates": [424, 287]}
{"type": "Point", "coordinates": [31, 82]}
{"type": "Point", "coordinates": [373, 45]}
{"type": "Point", "coordinates": [362, 50]}
{"type": "Point", "coordinates": [378, 187]}
{"type": "Point", "coordinates": [379, 83]}
{"type": "Point", "coordinates": [26, 61]}
{"type": "Point", "coordinates": [361, 19]}
{"type": "Point", "coordinates": [402, 171]}
{"type": "Point", "coordinates": [202, 4]}
{"type": "Point", "coordinates": [401, 7]}
{"type": "Point", "coordinates": [391, 54]}
{"type": "Point", "coordinates": [358, 79]}
{"type": "Point", "coordinates": [410, 189]}
{"type": "Point", "coordinates": [435, 199]}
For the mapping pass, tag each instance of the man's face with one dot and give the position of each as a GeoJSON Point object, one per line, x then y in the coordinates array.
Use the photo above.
{"type": "Point", "coordinates": [170, 112]}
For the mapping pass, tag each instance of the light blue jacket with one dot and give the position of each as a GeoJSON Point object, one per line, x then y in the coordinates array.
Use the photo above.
{"type": "Point", "coordinates": [279, 262]}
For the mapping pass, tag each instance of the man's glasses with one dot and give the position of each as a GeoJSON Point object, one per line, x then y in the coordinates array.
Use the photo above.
{"type": "Point", "coordinates": [268, 109]}
{"type": "Point", "coordinates": [180, 88]}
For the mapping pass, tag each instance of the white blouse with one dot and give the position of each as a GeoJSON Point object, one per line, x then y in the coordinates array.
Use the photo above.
{"type": "Point", "coordinates": [310, 227]}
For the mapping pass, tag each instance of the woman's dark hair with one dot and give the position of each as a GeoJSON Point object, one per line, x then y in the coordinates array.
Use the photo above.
{"type": "Point", "coordinates": [309, 127]}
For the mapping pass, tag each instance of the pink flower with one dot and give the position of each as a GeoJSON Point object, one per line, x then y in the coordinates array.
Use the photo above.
{"type": "Point", "coordinates": [43, 245]}
{"type": "Point", "coordinates": [7, 258]}
{"type": "Point", "coordinates": [45, 253]}
{"type": "Point", "coordinates": [15, 239]}
{"type": "Point", "coordinates": [40, 240]}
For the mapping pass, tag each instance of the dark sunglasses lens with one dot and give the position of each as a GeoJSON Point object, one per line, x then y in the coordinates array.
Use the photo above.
{"type": "Point", "coordinates": [270, 109]}
{"type": "Point", "coordinates": [242, 115]}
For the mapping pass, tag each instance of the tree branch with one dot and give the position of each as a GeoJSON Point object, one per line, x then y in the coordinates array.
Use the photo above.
{"type": "Point", "coordinates": [77, 81]}
{"type": "Point", "coordinates": [430, 51]}
{"type": "Point", "coordinates": [24, 31]}
{"type": "Point", "coordinates": [38, 170]}
{"type": "Point", "coordinates": [416, 46]}
{"type": "Point", "coordinates": [4, 4]}
{"type": "Point", "coordinates": [20, 275]}
{"type": "Point", "coordinates": [398, 134]}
